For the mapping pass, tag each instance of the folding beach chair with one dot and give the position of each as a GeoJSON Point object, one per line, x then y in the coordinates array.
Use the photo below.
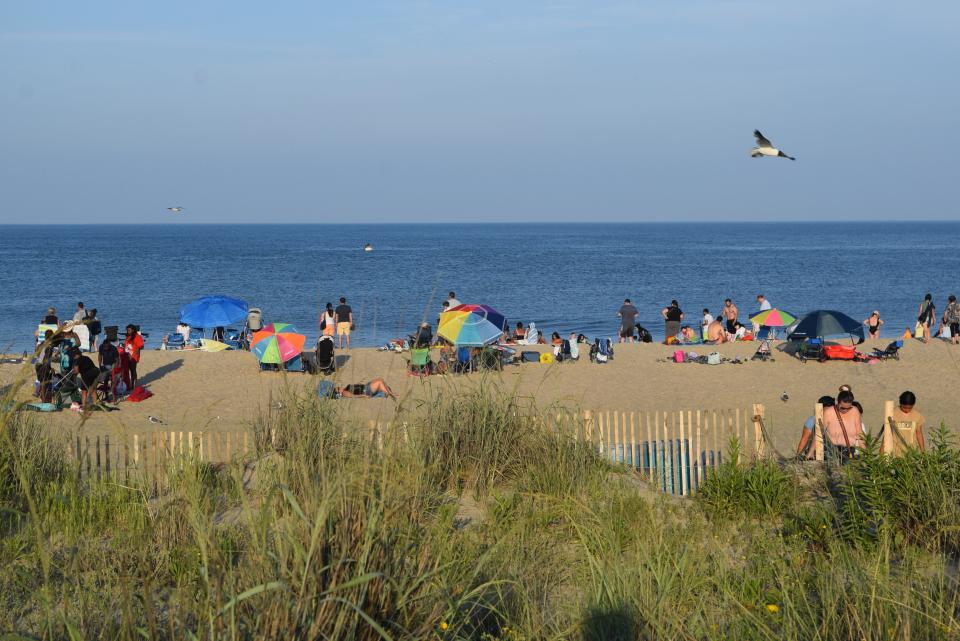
{"type": "Point", "coordinates": [420, 361]}
{"type": "Point", "coordinates": [890, 351]}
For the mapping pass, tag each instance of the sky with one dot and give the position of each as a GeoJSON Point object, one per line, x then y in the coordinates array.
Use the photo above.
{"type": "Point", "coordinates": [483, 111]}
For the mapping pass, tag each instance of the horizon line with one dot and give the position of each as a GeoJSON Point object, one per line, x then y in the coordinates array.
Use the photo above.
{"type": "Point", "coordinates": [477, 223]}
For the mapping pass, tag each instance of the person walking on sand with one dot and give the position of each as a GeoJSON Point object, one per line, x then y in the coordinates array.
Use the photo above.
{"type": "Point", "coordinates": [344, 316]}
{"type": "Point", "coordinates": [628, 315]}
{"type": "Point", "coordinates": [327, 321]}
{"type": "Point", "coordinates": [925, 316]}
{"type": "Point", "coordinates": [672, 317]}
{"type": "Point", "coordinates": [907, 426]}
{"type": "Point", "coordinates": [873, 324]}
{"type": "Point", "coordinates": [730, 313]}
{"type": "Point", "coordinates": [951, 317]}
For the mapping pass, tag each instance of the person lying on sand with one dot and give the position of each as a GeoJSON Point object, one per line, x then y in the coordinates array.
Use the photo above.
{"type": "Point", "coordinates": [377, 388]}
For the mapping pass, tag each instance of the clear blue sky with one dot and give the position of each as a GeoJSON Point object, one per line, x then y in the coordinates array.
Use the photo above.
{"type": "Point", "coordinates": [477, 111]}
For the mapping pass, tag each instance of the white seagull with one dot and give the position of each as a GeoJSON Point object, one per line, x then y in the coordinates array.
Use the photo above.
{"type": "Point", "coordinates": [175, 210]}
{"type": "Point", "coordinates": [765, 148]}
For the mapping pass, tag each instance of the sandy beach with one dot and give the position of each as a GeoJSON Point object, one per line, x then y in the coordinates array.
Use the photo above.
{"type": "Point", "coordinates": [197, 390]}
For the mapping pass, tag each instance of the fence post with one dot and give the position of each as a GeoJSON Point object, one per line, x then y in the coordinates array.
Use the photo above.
{"type": "Point", "coordinates": [683, 457]}
{"type": "Point", "coordinates": [818, 432]}
{"type": "Point", "coordinates": [758, 443]}
{"type": "Point", "coordinates": [886, 444]}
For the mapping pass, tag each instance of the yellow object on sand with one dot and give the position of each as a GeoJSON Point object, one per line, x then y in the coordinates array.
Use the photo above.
{"type": "Point", "coordinates": [907, 334]}
{"type": "Point", "coordinates": [210, 345]}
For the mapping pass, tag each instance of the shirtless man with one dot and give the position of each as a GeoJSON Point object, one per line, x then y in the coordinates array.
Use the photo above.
{"type": "Point", "coordinates": [730, 312]}
{"type": "Point", "coordinates": [716, 333]}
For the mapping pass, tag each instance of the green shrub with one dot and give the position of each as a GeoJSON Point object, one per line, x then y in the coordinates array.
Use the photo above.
{"type": "Point", "coordinates": [759, 488]}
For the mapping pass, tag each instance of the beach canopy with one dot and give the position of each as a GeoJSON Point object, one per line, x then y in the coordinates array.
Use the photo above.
{"type": "Point", "coordinates": [826, 322]}
{"type": "Point", "coordinates": [214, 311]}
{"type": "Point", "coordinates": [471, 325]}
{"type": "Point", "coordinates": [773, 318]}
{"type": "Point", "coordinates": [277, 343]}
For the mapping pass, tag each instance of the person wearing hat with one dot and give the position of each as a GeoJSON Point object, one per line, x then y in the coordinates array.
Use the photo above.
{"type": "Point", "coordinates": [873, 324]}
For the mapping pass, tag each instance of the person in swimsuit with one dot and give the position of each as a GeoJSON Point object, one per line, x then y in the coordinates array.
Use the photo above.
{"type": "Point", "coordinates": [730, 312]}
{"type": "Point", "coordinates": [873, 325]}
{"type": "Point", "coordinates": [377, 388]}
{"type": "Point", "coordinates": [716, 333]}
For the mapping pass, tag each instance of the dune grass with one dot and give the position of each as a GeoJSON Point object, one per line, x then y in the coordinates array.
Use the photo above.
{"type": "Point", "coordinates": [469, 521]}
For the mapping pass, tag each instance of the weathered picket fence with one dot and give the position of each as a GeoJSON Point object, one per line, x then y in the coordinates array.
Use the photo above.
{"type": "Point", "coordinates": [154, 452]}
{"type": "Point", "coordinates": [676, 449]}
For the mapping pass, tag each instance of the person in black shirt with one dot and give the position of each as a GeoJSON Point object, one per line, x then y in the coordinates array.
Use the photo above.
{"type": "Point", "coordinates": [672, 317]}
{"type": "Point", "coordinates": [344, 316]}
{"type": "Point", "coordinates": [85, 374]}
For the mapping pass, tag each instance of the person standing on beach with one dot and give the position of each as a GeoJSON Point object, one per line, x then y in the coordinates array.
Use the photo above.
{"type": "Point", "coordinates": [672, 316]}
{"type": "Point", "coordinates": [764, 305]}
{"type": "Point", "coordinates": [705, 322]}
{"type": "Point", "coordinates": [873, 324]}
{"type": "Point", "coordinates": [951, 317]}
{"type": "Point", "coordinates": [628, 315]}
{"type": "Point", "coordinates": [327, 321]}
{"type": "Point", "coordinates": [730, 313]}
{"type": "Point", "coordinates": [452, 299]}
{"type": "Point", "coordinates": [94, 327]}
{"type": "Point", "coordinates": [925, 316]}
{"type": "Point", "coordinates": [344, 315]}
{"type": "Point", "coordinates": [132, 346]}
{"type": "Point", "coordinates": [907, 426]}
{"type": "Point", "coordinates": [80, 314]}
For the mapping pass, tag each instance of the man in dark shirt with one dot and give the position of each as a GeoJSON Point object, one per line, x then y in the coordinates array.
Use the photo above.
{"type": "Point", "coordinates": [85, 374]}
{"type": "Point", "coordinates": [107, 355]}
{"type": "Point", "coordinates": [628, 315]}
{"type": "Point", "coordinates": [344, 317]}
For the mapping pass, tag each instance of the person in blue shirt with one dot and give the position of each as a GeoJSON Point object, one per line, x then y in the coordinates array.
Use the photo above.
{"type": "Point", "coordinates": [806, 437]}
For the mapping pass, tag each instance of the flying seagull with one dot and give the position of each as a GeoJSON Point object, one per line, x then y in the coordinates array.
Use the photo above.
{"type": "Point", "coordinates": [765, 148]}
{"type": "Point", "coordinates": [175, 210]}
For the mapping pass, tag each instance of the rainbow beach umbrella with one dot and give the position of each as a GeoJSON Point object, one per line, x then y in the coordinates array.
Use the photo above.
{"type": "Point", "coordinates": [471, 325]}
{"type": "Point", "coordinates": [773, 318]}
{"type": "Point", "coordinates": [277, 343]}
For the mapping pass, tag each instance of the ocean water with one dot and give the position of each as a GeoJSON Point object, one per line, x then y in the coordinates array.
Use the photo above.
{"type": "Point", "coordinates": [564, 277]}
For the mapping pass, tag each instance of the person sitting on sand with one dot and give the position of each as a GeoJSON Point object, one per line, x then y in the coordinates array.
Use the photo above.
{"type": "Point", "coordinates": [423, 337]}
{"type": "Point", "coordinates": [843, 426]}
{"type": "Point", "coordinates": [806, 436]}
{"type": "Point", "coordinates": [519, 333]}
{"type": "Point", "coordinates": [873, 324]}
{"type": "Point", "coordinates": [716, 333]}
{"type": "Point", "coordinates": [907, 426]}
{"type": "Point", "coordinates": [688, 336]}
{"type": "Point", "coordinates": [555, 339]}
{"type": "Point", "coordinates": [377, 388]}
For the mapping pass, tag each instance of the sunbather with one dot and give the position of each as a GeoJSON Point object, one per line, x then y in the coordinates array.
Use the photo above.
{"type": "Point", "coordinates": [716, 332]}
{"type": "Point", "coordinates": [377, 388]}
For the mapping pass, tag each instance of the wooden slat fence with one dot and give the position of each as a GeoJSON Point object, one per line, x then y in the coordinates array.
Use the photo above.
{"type": "Point", "coordinates": [676, 449]}
{"type": "Point", "coordinates": [111, 455]}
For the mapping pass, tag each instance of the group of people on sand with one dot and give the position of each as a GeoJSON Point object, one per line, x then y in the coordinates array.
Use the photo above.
{"type": "Point", "coordinates": [842, 426]}
{"type": "Point", "coordinates": [724, 328]}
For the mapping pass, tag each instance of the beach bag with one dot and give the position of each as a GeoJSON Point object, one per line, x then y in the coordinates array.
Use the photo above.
{"type": "Point", "coordinates": [530, 357]}
{"type": "Point", "coordinates": [678, 356]}
{"type": "Point", "coordinates": [546, 357]}
{"type": "Point", "coordinates": [918, 330]}
{"type": "Point", "coordinates": [713, 358]}
{"type": "Point", "coordinates": [840, 352]}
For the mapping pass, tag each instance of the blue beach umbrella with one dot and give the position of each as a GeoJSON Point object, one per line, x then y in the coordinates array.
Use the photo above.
{"type": "Point", "coordinates": [826, 322]}
{"type": "Point", "coordinates": [214, 311]}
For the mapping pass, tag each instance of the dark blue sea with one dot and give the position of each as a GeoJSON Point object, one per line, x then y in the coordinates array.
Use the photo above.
{"type": "Point", "coordinates": [563, 277]}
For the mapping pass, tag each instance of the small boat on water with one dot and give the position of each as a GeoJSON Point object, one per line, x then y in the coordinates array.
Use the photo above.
{"type": "Point", "coordinates": [368, 247]}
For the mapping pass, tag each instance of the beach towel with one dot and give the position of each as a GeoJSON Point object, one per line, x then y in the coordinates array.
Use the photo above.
{"type": "Point", "coordinates": [139, 393]}
{"type": "Point", "coordinates": [325, 389]}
